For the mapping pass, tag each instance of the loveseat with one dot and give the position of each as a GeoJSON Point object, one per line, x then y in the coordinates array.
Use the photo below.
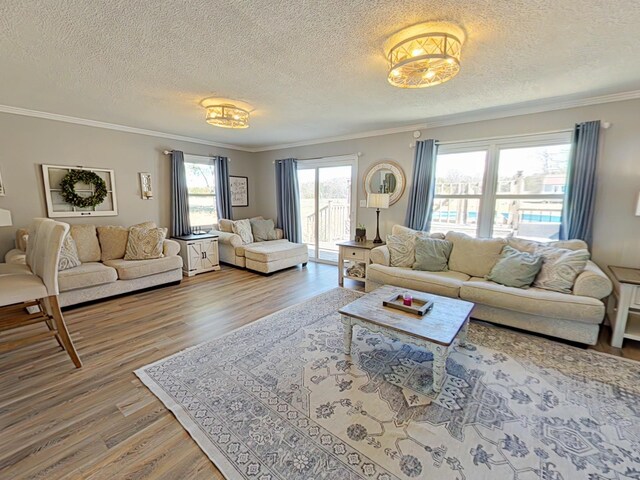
{"type": "Point", "coordinates": [103, 271]}
{"type": "Point", "coordinates": [574, 316]}
{"type": "Point", "coordinates": [258, 253]}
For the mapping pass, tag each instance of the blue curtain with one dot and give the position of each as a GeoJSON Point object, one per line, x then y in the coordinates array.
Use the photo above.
{"type": "Point", "coordinates": [423, 187]}
{"type": "Point", "coordinates": [288, 199]}
{"type": "Point", "coordinates": [223, 191]}
{"type": "Point", "coordinates": [180, 224]}
{"type": "Point", "coordinates": [580, 194]}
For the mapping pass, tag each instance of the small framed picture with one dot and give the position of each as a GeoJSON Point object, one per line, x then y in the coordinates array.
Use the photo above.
{"type": "Point", "coordinates": [239, 187]}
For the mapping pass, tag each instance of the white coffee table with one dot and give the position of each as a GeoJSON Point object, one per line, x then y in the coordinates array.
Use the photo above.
{"type": "Point", "coordinates": [436, 331]}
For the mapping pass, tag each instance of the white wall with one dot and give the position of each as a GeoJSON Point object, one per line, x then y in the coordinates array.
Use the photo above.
{"type": "Point", "coordinates": [616, 230]}
{"type": "Point", "coordinates": [26, 143]}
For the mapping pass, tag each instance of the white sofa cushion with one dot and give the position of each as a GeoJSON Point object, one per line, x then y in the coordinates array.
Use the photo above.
{"type": "Point", "coordinates": [239, 250]}
{"type": "Point", "coordinates": [86, 275]}
{"type": "Point", "coordinates": [534, 301]}
{"type": "Point", "coordinates": [86, 239]}
{"type": "Point", "coordinates": [439, 283]}
{"type": "Point", "coordinates": [474, 256]}
{"type": "Point", "coordinates": [130, 269]}
{"type": "Point", "coordinates": [273, 251]}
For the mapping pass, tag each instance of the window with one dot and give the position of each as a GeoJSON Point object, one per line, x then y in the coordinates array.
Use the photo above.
{"type": "Point", "coordinates": [202, 192]}
{"type": "Point", "coordinates": [503, 187]}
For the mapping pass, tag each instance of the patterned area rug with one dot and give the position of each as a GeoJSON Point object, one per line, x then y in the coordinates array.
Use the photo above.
{"type": "Point", "coordinates": [278, 399]}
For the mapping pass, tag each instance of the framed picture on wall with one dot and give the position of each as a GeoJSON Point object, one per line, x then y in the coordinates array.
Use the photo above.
{"type": "Point", "coordinates": [93, 191]}
{"type": "Point", "coordinates": [239, 191]}
{"type": "Point", "coordinates": [2, 191]}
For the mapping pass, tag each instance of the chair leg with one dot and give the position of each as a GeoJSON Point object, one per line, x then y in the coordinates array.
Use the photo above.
{"type": "Point", "coordinates": [62, 330]}
{"type": "Point", "coordinates": [49, 323]}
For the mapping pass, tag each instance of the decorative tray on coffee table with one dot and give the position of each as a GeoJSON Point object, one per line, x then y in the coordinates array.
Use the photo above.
{"type": "Point", "coordinates": [419, 306]}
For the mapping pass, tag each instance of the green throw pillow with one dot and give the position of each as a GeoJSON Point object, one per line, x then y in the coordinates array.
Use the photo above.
{"type": "Point", "coordinates": [263, 230]}
{"type": "Point", "coordinates": [515, 268]}
{"type": "Point", "coordinates": [432, 254]}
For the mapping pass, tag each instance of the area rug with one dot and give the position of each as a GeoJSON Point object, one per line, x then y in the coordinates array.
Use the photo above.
{"type": "Point", "coordinates": [278, 399]}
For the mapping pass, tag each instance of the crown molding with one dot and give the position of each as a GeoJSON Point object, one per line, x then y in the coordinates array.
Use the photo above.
{"type": "Point", "coordinates": [525, 108]}
{"type": "Point", "coordinates": [514, 110]}
{"type": "Point", "coordinates": [114, 126]}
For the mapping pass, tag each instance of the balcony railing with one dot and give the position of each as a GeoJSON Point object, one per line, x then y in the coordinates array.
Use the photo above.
{"type": "Point", "coordinates": [333, 222]}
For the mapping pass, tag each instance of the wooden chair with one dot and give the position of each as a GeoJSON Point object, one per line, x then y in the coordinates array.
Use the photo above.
{"type": "Point", "coordinates": [36, 287]}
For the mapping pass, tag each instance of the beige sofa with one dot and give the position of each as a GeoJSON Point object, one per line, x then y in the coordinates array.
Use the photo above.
{"type": "Point", "coordinates": [576, 316]}
{"type": "Point", "coordinates": [95, 278]}
{"type": "Point", "coordinates": [264, 257]}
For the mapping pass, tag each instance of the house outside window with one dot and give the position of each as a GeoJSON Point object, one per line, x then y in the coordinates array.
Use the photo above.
{"type": "Point", "coordinates": [503, 187]}
{"type": "Point", "coordinates": [202, 194]}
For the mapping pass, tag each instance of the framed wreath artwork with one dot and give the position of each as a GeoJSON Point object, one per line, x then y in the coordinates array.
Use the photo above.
{"type": "Point", "coordinates": [79, 191]}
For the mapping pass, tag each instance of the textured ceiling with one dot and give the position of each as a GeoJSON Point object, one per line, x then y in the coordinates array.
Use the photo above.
{"type": "Point", "coordinates": [311, 68]}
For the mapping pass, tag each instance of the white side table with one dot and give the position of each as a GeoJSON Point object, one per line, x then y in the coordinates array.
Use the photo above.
{"type": "Point", "coordinates": [199, 254]}
{"type": "Point", "coordinates": [352, 251]}
{"type": "Point", "coordinates": [623, 306]}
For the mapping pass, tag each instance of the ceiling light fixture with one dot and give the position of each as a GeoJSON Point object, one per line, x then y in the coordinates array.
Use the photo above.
{"type": "Point", "coordinates": [225, 115]}
{"type": "Point", "coordinates": [425, 54]}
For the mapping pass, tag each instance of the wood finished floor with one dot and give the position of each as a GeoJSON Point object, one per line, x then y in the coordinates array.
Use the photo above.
{"type": "Point", "coordinates": [100, 421]}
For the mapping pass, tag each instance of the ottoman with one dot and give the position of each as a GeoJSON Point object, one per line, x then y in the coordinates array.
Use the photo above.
{"type": "Point", "coordinates": [268, 257]}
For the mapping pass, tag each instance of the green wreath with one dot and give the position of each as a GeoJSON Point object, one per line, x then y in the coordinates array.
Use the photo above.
{"type": "Point", "coordinates": [69, 194]}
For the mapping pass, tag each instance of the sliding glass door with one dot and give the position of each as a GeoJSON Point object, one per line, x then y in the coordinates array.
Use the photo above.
{"type": "Point", "coordinates": [327, 204]}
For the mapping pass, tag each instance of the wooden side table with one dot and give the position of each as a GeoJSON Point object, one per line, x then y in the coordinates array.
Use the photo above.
{"type": "Point", "coordinates": [624, 305]}
{"type": "Point", "coordinates": [352, 251]}
{"type": "Point", "coordinates": [199, 253]}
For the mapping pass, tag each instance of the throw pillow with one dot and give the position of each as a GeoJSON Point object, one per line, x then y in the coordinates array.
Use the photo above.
{"type": "Point", "coordinates": [515, 268]}
{"type": "Point", "coordinates": [401, 250]}
{"type": "Point", "coordinates": [432, 254]}
{"type": "Point", "coordinates": [263, 230]}
{"type": "Point", "coordinates": [560, 268]}
{"type": "Point", "coordinates": [474, 256]}
{"type": "Point", "coordinates": [113, 241]}
{"type": "Point", "coordinates": [145, 243]}
{"type": "Point", "coordinates": [87, 243]}
{"type": "Point", "coordinates": [68, 254]}
{"type": "Point", "coordinates": [226, 225]}
{"type": "Point", "coordinates": [243, 228]}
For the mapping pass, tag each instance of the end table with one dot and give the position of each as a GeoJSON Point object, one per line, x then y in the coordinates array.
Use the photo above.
{"type": "Point", "coordinates": [352, 251]}
{"type": "Point", "coordinates": [624, 305]}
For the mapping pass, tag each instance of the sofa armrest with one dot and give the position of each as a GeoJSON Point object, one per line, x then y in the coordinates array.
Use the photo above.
{"type": "Point", "coordinates": [592, 282]}
{"type": "Point", "coordinates": [279, 234]}
{"type": "Point", "coordinates": [16, 257]}
{"type": "Point", "coordinates": [380, 255]}
{"type": "Point", "coordinates": [170, 248]}
{"type": "Point", "coordinates": [228, 238]}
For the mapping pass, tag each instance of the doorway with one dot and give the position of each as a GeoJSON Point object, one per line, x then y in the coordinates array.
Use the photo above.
{"type": "Point", "coordinates": [328, 189]}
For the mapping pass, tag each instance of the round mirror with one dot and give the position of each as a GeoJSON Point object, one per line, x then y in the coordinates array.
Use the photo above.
{"type": "Point", "coordinates": [385, 177]}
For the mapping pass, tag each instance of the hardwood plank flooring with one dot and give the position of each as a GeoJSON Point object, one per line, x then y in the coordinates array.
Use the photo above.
{"type": "Point", "coordinates": [101, 421]}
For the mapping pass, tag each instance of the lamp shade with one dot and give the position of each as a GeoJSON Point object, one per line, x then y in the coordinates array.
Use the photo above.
{"type": "Point", "coordinates": [638, 207]}
{"type": "Point", "coordinates": [5, 218]}
{"type": "Point", "coordinates": [378, 200]}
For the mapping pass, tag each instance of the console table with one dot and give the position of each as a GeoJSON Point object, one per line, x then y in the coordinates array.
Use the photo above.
{"type": "Point", "coordinates": [624, 305]}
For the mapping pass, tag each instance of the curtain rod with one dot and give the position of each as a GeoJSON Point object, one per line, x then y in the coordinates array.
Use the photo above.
{"type": "Point", "coordinates": [605, 126]}
{"type": "Point", "coordinates": [358, 154]}
{"type": "Point", "coordinates": [169, 152]}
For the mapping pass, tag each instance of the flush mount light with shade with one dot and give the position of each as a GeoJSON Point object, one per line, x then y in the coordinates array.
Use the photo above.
{"type": "Point", "coordinates": [424, 55]}
{"type": "Point", "coordinates": [226, 113]}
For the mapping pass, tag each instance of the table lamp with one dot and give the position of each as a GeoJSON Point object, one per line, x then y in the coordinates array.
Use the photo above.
{"type": "Point", "coordinates": [5, 218]}
{"type": "Point", "coordinates": [378, 201]}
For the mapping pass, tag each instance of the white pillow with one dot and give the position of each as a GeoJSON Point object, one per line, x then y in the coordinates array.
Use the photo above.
{"type": "Point", "coordinates": [243, 228]}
